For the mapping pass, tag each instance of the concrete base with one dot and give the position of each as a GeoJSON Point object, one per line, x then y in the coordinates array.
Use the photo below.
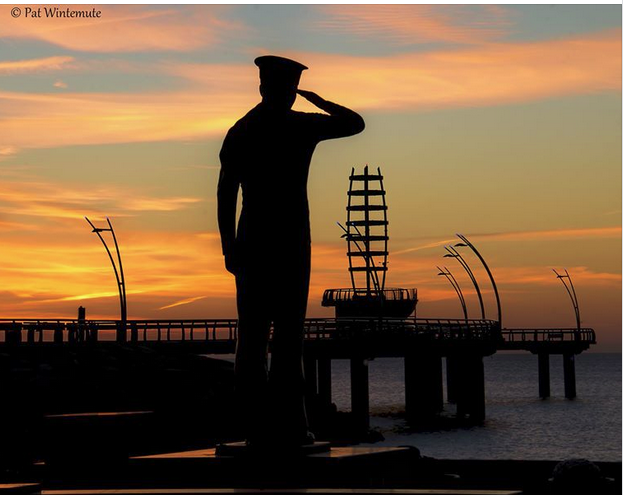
{"type": "Point", "coordinates": [236, 449]}
{"type": "Point", "coordinates": [20, 488]}
{"type": "Point", "coordinates": [307, 491]}
{"type": "Point", "coordinates": [324, 452]}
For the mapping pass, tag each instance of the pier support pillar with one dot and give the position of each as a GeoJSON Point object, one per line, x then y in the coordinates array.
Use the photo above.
{"type": "Point", "coordinates": [359, 393]}
{"type": "Point", "coordinates": [452, 372]}
{"type": "Point", "coordinates": [544, 388]}
{"type": "Point", "coordinates": [324, 382]}
{"type": "Point", "coordinates": [310, 370]}
{"type": "Point", "coordinates": [423, 386]}
{"type": "Point", "coordinates": [471, 388]}
{"type": "Point", "coordinates": [568, 365]}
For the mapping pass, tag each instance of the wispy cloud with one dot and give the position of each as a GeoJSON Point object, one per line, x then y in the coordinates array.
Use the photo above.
{"type": "Point", "coordinates": [593, 232]}
{"type": "Point", "coordinates": [488, 74]}
{"type": "Point", "coordinates": [50, 120]}
{"type": "Point", "coordinates": [543, 275]}
{"type": "Point", "coordinates": [183, 301]}
{"type": "Point", "coordinates": [7, 151]}
{"type": "Point", "coordinates": [35, 65]}
{"type": "Point", "coordinates": [125, 28]}
{"type": "Point", "coordinates": [217, 94]}
{"type": "Point", "coordinates": [408, 24]}
{"type": "Point", "coordinates": [528, 235]}
{"type": "Point", "coordinates": [57, 200]}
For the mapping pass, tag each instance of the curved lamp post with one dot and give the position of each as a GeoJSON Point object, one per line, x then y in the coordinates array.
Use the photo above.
{"type": "Point", "coordinates": [453, 253]}
{"type": "Point", "coordinates": [466, 243]}
{"type": "Point", "coordinates": [456, 287]}
{"type": "Point", "coordinates": [121, 330]}
{"type": "Point", "coordinates": [572, 295]}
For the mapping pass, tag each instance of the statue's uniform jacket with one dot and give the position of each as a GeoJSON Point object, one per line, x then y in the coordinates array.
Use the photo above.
{"type": "Point", "coordinates": [268, 154]}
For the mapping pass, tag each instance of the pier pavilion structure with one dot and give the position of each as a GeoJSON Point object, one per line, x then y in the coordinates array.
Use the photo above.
{"type": "Point", "coordinates": [377, 321]}
{"type": "Point", "coordinates": [366, 234]}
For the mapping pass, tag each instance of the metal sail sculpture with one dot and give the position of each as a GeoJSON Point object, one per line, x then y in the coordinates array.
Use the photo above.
{"type": "Point", "coordinates": [367, 244]}
{"type": "Point", "coordinates": [367, 239]}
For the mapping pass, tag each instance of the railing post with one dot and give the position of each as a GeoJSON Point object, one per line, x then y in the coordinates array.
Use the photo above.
{"type": "Point", "coordinates": [13, 335]}
{"type": "Point", "coordinates": [58, 334]}
{"type": "Point", "coordinates": [122, 335]}
{"type": "Point", "coordinates": [93, 332]}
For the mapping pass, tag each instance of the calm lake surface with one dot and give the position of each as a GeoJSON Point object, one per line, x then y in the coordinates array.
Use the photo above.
{"type": "Point", "coordinates": [519, 425]}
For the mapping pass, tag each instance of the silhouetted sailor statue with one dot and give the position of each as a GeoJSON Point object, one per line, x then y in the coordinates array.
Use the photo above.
{"type": "Point", "coordinates": [268, 153]}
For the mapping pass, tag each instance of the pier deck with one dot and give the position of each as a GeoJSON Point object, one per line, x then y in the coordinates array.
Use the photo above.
{"type": "Point", "coordinates": [421, 342]}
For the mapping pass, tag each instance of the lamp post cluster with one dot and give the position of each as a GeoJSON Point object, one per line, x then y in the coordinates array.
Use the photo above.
{"type": "Point", "coordinates": [452, 252]}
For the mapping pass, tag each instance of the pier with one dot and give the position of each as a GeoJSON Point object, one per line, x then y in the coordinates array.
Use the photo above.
{"type": "Point", "coordinates": [424, 344]}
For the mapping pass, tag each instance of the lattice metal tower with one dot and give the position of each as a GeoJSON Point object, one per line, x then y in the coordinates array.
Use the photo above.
{"type": "Point", "coordinates": [366, 234]}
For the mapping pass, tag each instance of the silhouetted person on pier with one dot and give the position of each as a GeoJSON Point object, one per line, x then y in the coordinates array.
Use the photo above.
{"type": "Point", "coordinates": [268, 153]}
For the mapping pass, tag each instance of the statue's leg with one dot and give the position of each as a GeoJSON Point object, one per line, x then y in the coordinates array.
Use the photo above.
{"type": "Point", "coordinates": [287, 387]}
{"type": "Point", "coordinates": [251, 377]}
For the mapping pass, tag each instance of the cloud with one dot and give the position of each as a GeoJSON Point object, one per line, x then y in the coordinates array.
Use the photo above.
{"type": "Point", "coordinates": [56, 200]}
{"type": "Point", "coordinates": [124, 28]}
{"type": "Point", "coordinates": [35, 65]}
{"type": "Point", "coordinates": [559, 234]}
{"type": "Point", "coordinates": [528, 235]}
{"type": "Point", "coordinates": [409, 24]}
{"type": "Point", "coordinates": [53, 119]}
{"type": "Point", "coordinates": [582, 276]}
{"type": "Point", "coordinates": [60, 84]}
{"type": "Point", "coordinates": [45, 278]}
{"type": "Point", "coordinates": [488, 74]}
{"type": "Point", "coordinates": [183, 301]}
{"type": "Point", "coordinates": [6, 151]}
{"type": "Point", "coordinates": [216, 95]}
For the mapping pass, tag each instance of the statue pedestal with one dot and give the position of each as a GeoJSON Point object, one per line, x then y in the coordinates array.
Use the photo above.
{"type": "Point", "coordinates": [239, 449]}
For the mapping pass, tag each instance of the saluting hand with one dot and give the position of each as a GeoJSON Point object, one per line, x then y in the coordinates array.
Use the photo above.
{"type": "Point", "coordinates": [311, 97]}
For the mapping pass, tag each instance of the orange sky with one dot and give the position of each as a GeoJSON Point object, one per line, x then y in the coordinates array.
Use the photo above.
{"type": "Point", "coordinates": [484, 120]}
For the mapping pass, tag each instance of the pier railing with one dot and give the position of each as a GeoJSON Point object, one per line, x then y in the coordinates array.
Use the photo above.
{"type": "Point", "coordinates": [548, 335]}
{"type": "Point", "coordinates": [220, 335]}
{"type": "Point", "coordinates": [389, 294]}
{"type": "Point", "coordinates": [32, 331]}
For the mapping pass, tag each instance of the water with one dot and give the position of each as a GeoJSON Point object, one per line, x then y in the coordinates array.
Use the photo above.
{"type": "Point", "coordinates": [519, 425]}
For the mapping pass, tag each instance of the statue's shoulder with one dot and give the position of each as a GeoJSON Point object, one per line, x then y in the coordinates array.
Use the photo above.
{"type": "Point", "coordinates": [244, 123]}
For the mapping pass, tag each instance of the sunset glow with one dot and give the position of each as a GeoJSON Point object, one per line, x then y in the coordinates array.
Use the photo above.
{"type": "Point", "coordinates": [484, 121]}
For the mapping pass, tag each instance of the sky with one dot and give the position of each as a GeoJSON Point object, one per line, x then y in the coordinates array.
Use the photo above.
{"type": "Point", "coordinates": [499, 122]}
